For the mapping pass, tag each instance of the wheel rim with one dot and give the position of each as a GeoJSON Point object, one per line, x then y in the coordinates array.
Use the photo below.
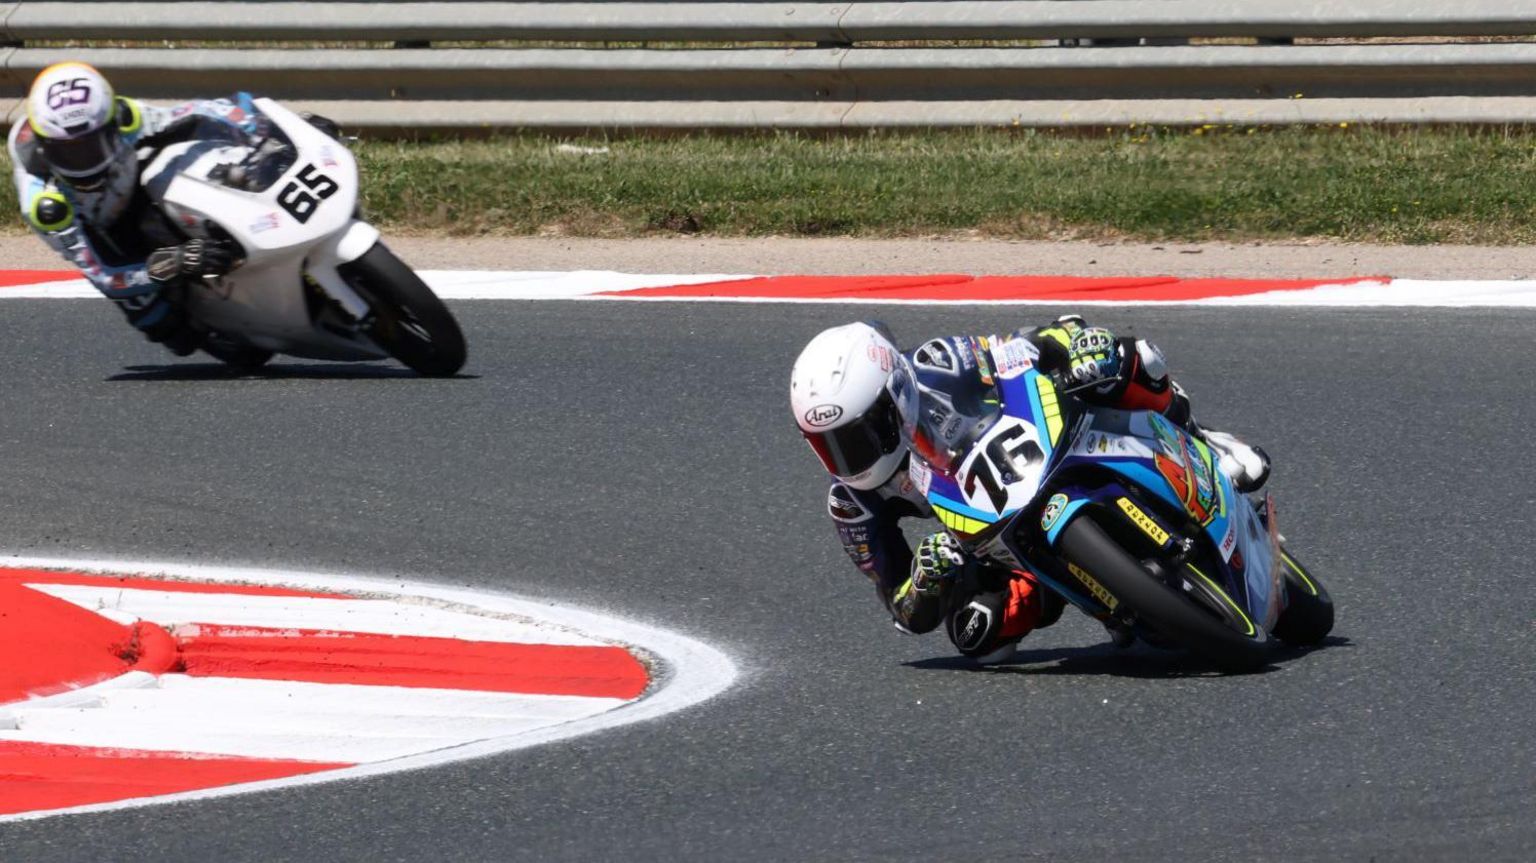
{"type": "Point", "coordinates": [1209, 596]}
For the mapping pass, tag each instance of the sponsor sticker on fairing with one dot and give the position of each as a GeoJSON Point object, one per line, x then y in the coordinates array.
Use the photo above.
{"type": "Point", "coordinates": [1013, 357]}
{"type": "Point", "coordinates": [1053, 509]}
{"type": "Point", "coordinates": [920, 474]}
{"type": "Point", "coordinates": [963, 346]}
{"type": "Point", "coordinates": [268, 222]}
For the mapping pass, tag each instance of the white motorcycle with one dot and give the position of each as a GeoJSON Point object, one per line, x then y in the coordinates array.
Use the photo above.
{"type": "Point", "coordinates": [315, 281]}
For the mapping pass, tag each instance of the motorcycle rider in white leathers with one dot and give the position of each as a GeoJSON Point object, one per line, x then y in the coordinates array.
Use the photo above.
{"type": "Point", "coordinates": [77, 162]}
{"type": "Point", "coordinates": [844, 391]}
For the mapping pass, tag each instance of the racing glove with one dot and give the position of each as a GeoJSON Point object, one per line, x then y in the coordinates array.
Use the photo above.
{"type": "Point", "coordinates": [190, 260]}
{"type": "Point", "coordinates": [938, 560]}
{"type": "Point", "coordinates": [1092, 355]}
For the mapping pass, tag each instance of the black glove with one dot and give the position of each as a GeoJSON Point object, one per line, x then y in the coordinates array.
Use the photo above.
{"type": "Point", "coordinates": [190, 260]}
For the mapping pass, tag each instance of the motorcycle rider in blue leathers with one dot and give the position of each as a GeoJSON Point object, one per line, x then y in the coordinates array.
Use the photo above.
{"type": "Point", "coordinates": [77, 162]}
{"type": "Point", "coordinates": [844, 391]}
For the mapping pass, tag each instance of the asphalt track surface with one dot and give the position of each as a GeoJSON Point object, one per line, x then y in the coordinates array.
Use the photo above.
{"type": "Point", "coordinates": [640, 459]}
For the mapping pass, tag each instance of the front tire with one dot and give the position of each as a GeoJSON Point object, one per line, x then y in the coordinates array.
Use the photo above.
{"type": "Point", "coordinates": [1212, 624]}
{"type": "Point", "coordinates": [237, 355]}
{"type": "Point", "coordinates": [409, 321]}
{"type": "Point", "coordinates": [1308, 615]}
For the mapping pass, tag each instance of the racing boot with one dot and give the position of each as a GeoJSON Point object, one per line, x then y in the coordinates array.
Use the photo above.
{"type": "Point", "coordinates": [1246, 466]}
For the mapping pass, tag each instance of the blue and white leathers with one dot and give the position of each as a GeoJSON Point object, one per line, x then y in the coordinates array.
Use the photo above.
{"type": "Point", "coordinates": [112, 254]}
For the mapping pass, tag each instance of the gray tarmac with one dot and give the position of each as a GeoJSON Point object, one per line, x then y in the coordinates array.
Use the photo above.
{"type": "Point", "coordinates": [641, 459]}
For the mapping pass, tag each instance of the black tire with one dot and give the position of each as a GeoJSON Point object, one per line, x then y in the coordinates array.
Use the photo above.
{"type": "Point", "coordinates": [236, 355]}
{"type": "Point", "coordinates": [1308, 615]}
{"type": "Point", "coordinates": [409, 321]}
{"type": "Point", "coordinates": [1212, 626]}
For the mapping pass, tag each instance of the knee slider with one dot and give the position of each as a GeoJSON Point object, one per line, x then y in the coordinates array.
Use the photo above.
{"type": "Point", "coordinates": [974, 627]}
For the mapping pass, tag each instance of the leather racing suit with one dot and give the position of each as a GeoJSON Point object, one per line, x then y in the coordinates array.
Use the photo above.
{"type": "Point", "coordinates": [987, 609]}
{"type": "Point", "coordinates": [113, 256]}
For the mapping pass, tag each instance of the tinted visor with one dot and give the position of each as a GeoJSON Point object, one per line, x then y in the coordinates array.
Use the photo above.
{"type": "Point", "coordinates": [83, 162]}
{"type": "Point", "coordinates": [854, 448]}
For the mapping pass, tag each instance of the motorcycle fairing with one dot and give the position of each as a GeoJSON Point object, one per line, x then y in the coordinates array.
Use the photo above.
{"type": "Point", "coordinates": [301, 224]}
{"type": "Point", "coordinates": [1003, 471]}
{"type": "Point", "coordinates": [1027, 447]}
{"type": "Point", "coordinates": [1149, 449]}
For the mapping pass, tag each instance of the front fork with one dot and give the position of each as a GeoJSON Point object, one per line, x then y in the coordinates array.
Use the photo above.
{"type": "Point", "coordinates": [1141, 531]}
{"type": "Point", "coordinates": [324, 262]}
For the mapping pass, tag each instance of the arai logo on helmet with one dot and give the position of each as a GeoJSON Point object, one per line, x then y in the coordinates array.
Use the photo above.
{"type": "Point", "coordinates": [823, 415]}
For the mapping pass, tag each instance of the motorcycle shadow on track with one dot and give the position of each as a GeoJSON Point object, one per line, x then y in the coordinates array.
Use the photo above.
{"type": "Point", "coordinates": [279, 371]}
{"type": "Point", "coordinates": [1140, 661]}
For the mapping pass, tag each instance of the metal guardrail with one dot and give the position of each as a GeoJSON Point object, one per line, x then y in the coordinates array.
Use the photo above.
{"type": "Point", "coordinates": [833, 64]}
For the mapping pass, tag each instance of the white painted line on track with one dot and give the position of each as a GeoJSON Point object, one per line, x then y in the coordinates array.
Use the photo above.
{"type": "Point", "coordinates": [603, 285]}
{"type": "Point", "coordinates": [501, 285]}
{"type": "Point", "coordinates": [691, 672]}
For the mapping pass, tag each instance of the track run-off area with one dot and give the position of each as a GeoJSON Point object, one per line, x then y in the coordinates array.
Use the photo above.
{"type": "Point", "coordinates": [636, 461]}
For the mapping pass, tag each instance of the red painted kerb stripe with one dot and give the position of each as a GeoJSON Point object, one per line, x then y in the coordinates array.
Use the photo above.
{"type": "Point", "coordinates": [963, 288]}
{"type": "Point", "coordinates": [314, 656]}
{"type": "Point", "coordinates": [56, 645]}
{"type": "Point", "coordinates": [24, 278]}
{"type": "Point", "coordinates": [42, 776]}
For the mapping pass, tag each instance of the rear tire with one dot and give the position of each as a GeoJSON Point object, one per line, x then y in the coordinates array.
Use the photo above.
{"type": "Point", "coordinates": [1308, 615]}
{"type": "Point", "coordinates": [1225, 636]}
{"type": "Point", "coordinates": [409, 321]}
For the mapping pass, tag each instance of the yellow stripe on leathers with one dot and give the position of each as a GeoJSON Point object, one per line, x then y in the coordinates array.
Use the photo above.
{"type": "Point", "coordinates": [1057, 335]}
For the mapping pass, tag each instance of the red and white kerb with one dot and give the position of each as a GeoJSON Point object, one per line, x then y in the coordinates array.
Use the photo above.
{"type": "Point", "coordinates": [120, 688]}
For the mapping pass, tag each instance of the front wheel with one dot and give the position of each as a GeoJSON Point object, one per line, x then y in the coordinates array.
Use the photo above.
{"type": "Point", "coordinates": [1308, 615]}
{"type": "Point", "coordinates": [409, 321]}
{"type": "Point", "coordinates": [1199, 614]}
{"type": "Point", "coordinates": [236, 354]}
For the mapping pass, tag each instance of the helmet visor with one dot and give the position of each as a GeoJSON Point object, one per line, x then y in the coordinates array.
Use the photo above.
{"type": "Point", "coordinates": [851, 449]}
{"type": "Point", "coordinates": [83, 161]}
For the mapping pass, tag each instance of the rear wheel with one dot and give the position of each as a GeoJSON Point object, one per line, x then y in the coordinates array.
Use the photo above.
{"type": "Point", "coordinates": [409, 320]}
{"type": "Point", "coordinates": [1308, 615]}
{"type": "Point", "coordinates": [1196, 613]}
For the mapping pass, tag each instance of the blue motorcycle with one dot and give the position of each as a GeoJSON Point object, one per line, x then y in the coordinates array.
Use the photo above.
{"type": "Point", "coordinates": [1122, 513]}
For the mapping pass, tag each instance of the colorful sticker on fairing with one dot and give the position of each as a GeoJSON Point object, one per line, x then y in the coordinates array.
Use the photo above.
{"type": "Point", "coordinates": [982, 368]}
{"type": "Point", "coordinates": [963, 348]}
{"type": "Point", "coordinates": [1013, 357]}
{"type": "Point", "coordinates": [921, 475]}
{"type": "Point", "coordinates": [1187, 467]}
{"type": "Point", "coordinates": [1107, 444]}
{"type": "Point", "coordinates": [1052, 511]}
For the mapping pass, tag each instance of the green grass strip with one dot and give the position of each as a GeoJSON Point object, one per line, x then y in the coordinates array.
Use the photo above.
{"type": "Point", "coordinates": [1402, 186]}
{"type": "Point", "coordinates": [1414, 185]}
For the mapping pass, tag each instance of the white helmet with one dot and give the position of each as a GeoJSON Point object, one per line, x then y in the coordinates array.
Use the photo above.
{"type": "Point", "coordinates": [81, 128]}
{"type": "Point", "coordinates": [844, 391]}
